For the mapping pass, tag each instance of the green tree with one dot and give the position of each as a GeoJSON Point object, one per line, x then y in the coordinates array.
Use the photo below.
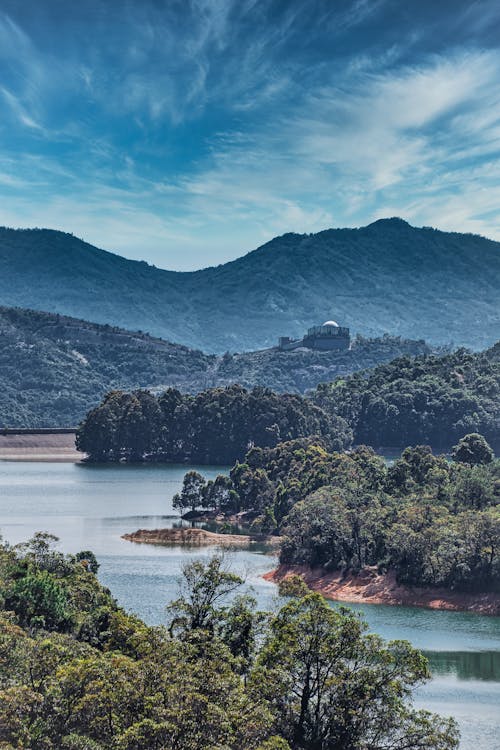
{"type": "Point", "coordinates": [192, 493]}
{"type": "Point", "coordinates": [219, 495]}
{"type": "Point", "coordinates": [333, 687]}
{"type": "Point", "coordinates": [88, 560]}
{"type": "Point", "coordinates": [40, 600]}
{"type": "Point", "coordinates": [473, 449]}
{"type": "Point", "coordinates": [203, 588]}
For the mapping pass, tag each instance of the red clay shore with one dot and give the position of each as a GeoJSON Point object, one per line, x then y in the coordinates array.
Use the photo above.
{"type": "Point", "coordinates": [370, 587]}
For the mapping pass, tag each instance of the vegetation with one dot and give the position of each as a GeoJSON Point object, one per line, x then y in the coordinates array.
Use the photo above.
{"type": "Point", "coordinates": [223, 675]}
{"type": "Point", "coordinates": [389, 276]}
{"type": "Point", "coordinates": [53, 369]}
{"type": "Point", "coordinates": [216, 426]}
{"type": "Point", "coordinates": [425, 400]}
{"type": "Point", "coordinates": [428, 399]}
{"type": "Point", "coordinates": [432, 522]}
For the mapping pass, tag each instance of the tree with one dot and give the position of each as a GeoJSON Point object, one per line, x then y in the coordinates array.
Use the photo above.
{"type": "Point", "coordinates": [140, 426]}
{"type": "Point", "coordinates": [473, 449]}
{"type": "Point", "coordinates": [238, 629]}
{"type": "Point", "coordinates": [255, 490]}
{"type": "Point", "coordinates": [88, 560]}
{"type": "Point", "coordinates": [40, 600]}
{"type": "Point", "coordinates": [191, 495]}
{"type": "Point", "coordinates": [203, 586]}
{"type": "Point", "coordinates": [333, 687]}
{"type": "Point", "coordinates": [219, 495]}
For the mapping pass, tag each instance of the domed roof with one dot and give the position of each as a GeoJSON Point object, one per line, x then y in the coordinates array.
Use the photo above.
{"type": "Point", "coordinates": [331, 323]}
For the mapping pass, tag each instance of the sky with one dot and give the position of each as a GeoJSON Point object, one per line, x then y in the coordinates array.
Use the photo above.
{"type": "Point", "coordinates": [188, 132]}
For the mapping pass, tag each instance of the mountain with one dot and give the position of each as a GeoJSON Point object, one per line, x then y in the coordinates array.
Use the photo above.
{"type": "Point", "coordinates": [53, 368]}
{"type": "Point", "coordinates": [387, 277]}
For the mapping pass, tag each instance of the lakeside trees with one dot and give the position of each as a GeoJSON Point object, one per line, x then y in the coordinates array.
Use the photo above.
{"type": "Point", "coordinates": [425, 400]}
{"type": "Point", "coordinates": [432, 522]}
{"type": "Point", "coordinates": [333, 686]}
{"type": "Point", "coordinates": [223, 676]}
{"type": "Point", "coordinates": [422, 400]}
{"type": "Point", "coordinates": [217, 426]}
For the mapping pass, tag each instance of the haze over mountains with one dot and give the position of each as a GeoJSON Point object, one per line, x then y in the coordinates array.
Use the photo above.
{"type": "Point", "coordinates": [387, 277]}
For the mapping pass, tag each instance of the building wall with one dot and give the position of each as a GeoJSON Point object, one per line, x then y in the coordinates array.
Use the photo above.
{"type": "Point", "coordinates": [322, 338]}
{"type": "Point", "coordinates": [327, 343]}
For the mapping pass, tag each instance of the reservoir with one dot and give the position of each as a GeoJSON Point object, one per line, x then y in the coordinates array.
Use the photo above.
{"type": "Point", "coordinates": [90, 507]}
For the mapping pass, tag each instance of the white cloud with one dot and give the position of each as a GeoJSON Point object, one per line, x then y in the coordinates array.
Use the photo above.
{"type": "Point", "coordinates": [305, 146]}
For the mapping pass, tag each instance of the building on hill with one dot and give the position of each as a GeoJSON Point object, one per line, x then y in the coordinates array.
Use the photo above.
{"type": "Point", "coordinates": [327, 337]}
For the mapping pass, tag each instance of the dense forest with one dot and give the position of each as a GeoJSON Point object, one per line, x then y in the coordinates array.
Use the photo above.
{"type": "Point", "coordinates": [388, 276]}
{"type": "Point", "coordinates": [433, 522]}
{"type": "Point", "coordinates": [428, 399]}
{"type": "Point", "coordinates": [53, 369]}
{"type": "Point", "coordinates": [79, 673]}
{"type": "Point", "coordinates": [215, 427]}
{"type": "Point", "coordinates": [424, 400]}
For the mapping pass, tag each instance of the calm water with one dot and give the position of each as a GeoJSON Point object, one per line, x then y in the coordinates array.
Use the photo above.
{"type": "Point", "coordinates": [91, 507]}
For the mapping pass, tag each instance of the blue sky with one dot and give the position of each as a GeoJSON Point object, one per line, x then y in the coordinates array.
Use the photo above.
{"type": "Point", "coordinates": [187, 132]}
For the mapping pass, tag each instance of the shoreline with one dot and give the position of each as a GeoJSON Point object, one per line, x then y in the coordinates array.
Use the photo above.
{"type": "Point", "coordinates": [370, 587]}
{"type": "Point", "coordinates": [39, 446]}
{"type": "Point", "coordinates": [191, 537]}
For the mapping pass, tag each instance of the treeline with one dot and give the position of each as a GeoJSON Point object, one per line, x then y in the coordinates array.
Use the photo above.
{"type": "Point", "coordinates": [432, 522]}
{"type": "Point", "coordinates": [423, 400]}
{"type": "Point", "coordinates": [217, 426]}
{"type": "Point", "coordinates": [79, 673]}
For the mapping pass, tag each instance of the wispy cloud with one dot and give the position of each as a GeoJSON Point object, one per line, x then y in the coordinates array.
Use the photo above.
{"type": "Point", "coordinates": [19, 110]}
{"type": "Point", "coordinates": [188, 133]}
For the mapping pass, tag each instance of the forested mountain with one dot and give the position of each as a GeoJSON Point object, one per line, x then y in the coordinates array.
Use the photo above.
{"type": "Point", "coordinates": [388, 276]}
{"type": "Point", "coordinates": [53, 369]}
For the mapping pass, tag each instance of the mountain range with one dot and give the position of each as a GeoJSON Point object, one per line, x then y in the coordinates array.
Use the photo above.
{"type": "Point", "coordinates": [388, 277]}
{"type": "Point", "coordinates": [53, 368]}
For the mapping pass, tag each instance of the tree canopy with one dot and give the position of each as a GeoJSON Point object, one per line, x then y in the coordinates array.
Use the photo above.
{"type": "Point", "coordinates": [427, 400]}
{"type": "Point", "coordinates": [216, 426]}
{"type": "Point", "coordinates": [224, 675]}
{"type": "Point", "coordinates": [431, 521]}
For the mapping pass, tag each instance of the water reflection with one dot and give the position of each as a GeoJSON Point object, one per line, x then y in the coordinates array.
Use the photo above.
{"type": "Point", "coordinates": [465, 665]}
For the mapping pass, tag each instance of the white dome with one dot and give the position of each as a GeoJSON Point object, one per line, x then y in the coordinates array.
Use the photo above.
{"type": "Point", "coordinates": [331, 323]}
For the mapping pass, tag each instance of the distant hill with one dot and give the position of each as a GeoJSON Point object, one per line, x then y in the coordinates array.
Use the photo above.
{"type": "Point", "coordinates": [54, 368]}
{"type": "Point", "coordinates": [389, 276]}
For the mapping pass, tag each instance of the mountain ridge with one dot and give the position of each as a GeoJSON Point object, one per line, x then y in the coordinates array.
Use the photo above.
{"type": "Point", "coordinates": [385, 277]}
{"type": "Point", "coordinates": [54, 368]}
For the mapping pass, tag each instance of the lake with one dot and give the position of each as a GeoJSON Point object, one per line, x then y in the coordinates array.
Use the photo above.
{"type": "Point", "coordinates": [90, 507]}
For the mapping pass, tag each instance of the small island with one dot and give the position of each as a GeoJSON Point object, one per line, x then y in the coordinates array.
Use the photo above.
{"type": "Point", "coordinates": [192, 537]}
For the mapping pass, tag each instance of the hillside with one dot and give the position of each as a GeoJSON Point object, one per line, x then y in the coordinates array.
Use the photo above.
{"type": "Point", "coordinates": [421, 400]}
{"type": "Point", "coordinates": [388, 276]}
{"type": "Point", "coordinates": [54, 368]}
